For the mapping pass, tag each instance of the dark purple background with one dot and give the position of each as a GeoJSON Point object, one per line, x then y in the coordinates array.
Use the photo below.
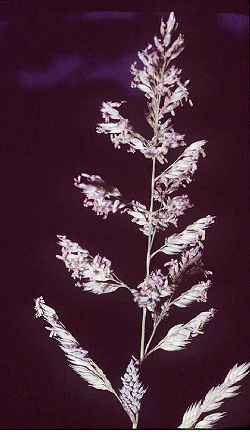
{"type": "Point", "coordinates": [57, 66]}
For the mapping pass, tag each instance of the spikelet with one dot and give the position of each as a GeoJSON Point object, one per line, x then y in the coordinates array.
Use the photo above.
{"type": "Point", "coordinates": [209, 421]}
{"type": "Point", "coordinates": [214, 399]}
{"type": "Point", "coordinates": [195, 232]}
{"type": "Point", "coordinates": [78, 358]}
{"type": "Point", "coordinates": [198, 293]}
{"type": "Point", "coordinates": [179, 336]}
{"type": "Point", "coordinates": [181, 171]}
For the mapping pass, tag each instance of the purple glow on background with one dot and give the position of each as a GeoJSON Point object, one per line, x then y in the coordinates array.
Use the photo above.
{"type": "Point", "coordinates": [79, 68]}
{"type": "Point", "coordinates": [63, 68]}
{"type": "Point", "coordinates": [97, 16]}
{"type": "Point", "coordinates": [236, 24]}
{"type": "Point", "coordinates": [117, 70]}
{"type": "Point", "coordinates": [58, 71]}
{"type": "Point", "coordinates": [3, 25]}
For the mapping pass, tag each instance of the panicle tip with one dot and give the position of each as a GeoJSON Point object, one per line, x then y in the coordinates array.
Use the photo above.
{"type": "Point", "coordinates": [39, 305]}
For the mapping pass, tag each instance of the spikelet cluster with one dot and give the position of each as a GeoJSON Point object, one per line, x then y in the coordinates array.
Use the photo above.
{"type": "Point", "coordinates": [213, 400]}
{"type": "Point", "coordinates": [98, 196]}
{"type": "Point", "coordinates": [179, 336]}
{"type": "Point", "coordinates": [165, 91]}
{"type": "Point", "coordinates": [180, 172]}
{"type": "Point", "coordinates": [78, 358]}
{"type": "Point", "coordinates": [93, 274]}
{"type": "Point", "coordinates": [192, 235]}
{"type": "Point", "coordinates": [132, 390]}
{"type": "Point", "coordinates": [152, 290]}
{"type": "Point", "coordinates": [160, 219]}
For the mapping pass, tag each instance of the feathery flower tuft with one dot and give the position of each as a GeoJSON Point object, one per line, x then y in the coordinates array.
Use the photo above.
{"type": "Point", "coordinates": [174, 208]}
{"type": "Point", "coordinates": [161, 218]}
{"type": "Point", "coordinates": [166, 139]}
{"type": "Point", "coordinates": [77, 357]}
{"type": "Point", "coordinates": [151, 290]}
{"type": "Point", "coordinates": [156, 77]}
{"type": "Point", "coordinates": [93, 274]}
{"type": "Point", "coordinates": [119, 129]}
{"type": "Point", "coordinates": [132, 390]}
{"type": "Point", "coordinates": [102, 199]}
{"type": "Point", "coordinates": [214, 399]}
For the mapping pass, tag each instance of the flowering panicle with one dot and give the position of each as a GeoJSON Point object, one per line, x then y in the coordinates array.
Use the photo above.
{"type": "Point", "coordinates": [213, 400]}
{"type": "Point", "coordinates": [98, 196]}
{"type": "Point", "coordinates": [78, 358]}
{"type": "Point", "coordinates": [158, 79]}
{"type": "Point", "coordinates": [180, 172]}
{"type": "Point", "coordinates": [121, 133]}
{"type": "Point", "coordinates": [161, 218]}
{"type": "Point", "coordinates": [167, 138]}
{"type": "Point", "coordinates": [119, 129]}
{"type": "Point", "coordinates": [93, 274]}
{"type": "Point", "coordinates": [173, 209]}
{"type": "Point", "coordinates": [152, 290]}
{"type": "Point", "coordinates": [159, 286]}
{"type": "Point", "coordinates": [132, 390]}
{"type": "Point", "coordinates": [158, 294]}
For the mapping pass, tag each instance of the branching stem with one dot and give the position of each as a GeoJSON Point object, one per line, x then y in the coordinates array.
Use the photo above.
{"type": "Point", "coordinates": [151, 338]}
{"type": "Point", "coordinates": [150, 242]}
{"type": "Point", "coordinates": [151, 230]}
